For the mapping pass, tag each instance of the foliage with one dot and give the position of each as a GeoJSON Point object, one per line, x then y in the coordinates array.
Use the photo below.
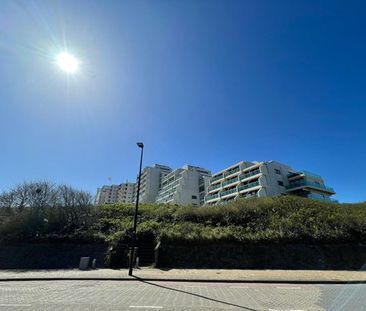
{"type": "Point", "coordinates": [60, 210]}
{"type": "Point", "coordinates": [276, 219]}
{"type": "Point", "coordinates": [33, 210]}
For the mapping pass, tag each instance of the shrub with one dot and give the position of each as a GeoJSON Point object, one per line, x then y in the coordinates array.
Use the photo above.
{"type": "Point", "coordinates": [261, 220]}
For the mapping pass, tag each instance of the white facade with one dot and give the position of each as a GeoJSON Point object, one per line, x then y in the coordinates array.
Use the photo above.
{"type": "Point", "coordinates": [263, 179]}
{"type": "Point", "coordinates": [151, 178]}
{"type": "Point", "coordinates": [122, 193]}
{"type": "Point", "coordinates": [184, 186]}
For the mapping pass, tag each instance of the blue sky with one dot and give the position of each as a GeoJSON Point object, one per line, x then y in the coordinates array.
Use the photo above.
{"type": "Point", "coordinates": [206, 83]}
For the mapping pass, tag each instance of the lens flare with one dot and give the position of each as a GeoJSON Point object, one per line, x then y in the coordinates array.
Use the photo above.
{"type": "Point", "coordinates": [67, 62]}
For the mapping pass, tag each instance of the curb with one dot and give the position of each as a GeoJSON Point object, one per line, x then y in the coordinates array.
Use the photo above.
{"type": "Point", "coordinates": [258, 281]}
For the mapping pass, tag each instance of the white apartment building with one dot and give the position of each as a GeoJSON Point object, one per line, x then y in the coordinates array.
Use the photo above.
{"type": "Point", "coordinates": [184, 186]}
{"type": "Point", "coordinates": [262, 179]}
{"type": "Point", "coordinates": [122, 193]}
{"type": "Point", "coordinates": [151, 178]}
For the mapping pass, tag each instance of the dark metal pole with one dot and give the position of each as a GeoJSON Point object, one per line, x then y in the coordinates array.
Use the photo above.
{"type": "Point", "coordinates": [132, 250]}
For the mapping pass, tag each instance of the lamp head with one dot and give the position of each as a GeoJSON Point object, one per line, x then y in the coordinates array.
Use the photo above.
{"type": "Point", "coordinates": [140, 145]}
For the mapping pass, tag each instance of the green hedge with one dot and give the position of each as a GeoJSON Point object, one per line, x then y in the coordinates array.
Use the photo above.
{"type": "Point", "coordinates": [221, 231]}
{"type": "Point", "coordinates": [277, 219]}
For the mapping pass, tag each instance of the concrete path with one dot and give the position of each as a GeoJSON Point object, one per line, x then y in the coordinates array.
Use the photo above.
{"type": "Point", "coordinates": [203, 275]}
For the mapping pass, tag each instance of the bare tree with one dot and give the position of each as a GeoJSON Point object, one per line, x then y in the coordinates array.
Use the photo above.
{"type": "Point", "coordinates": [21, 193]}
{"type": "Point", "coordinates": [66, 207]}
{"type": "Point", "coordinates": [76, 205]}
{"type": "Point", "coordinates": [41, 195]}
{"type": "Point", "coordinates": [7, 199]}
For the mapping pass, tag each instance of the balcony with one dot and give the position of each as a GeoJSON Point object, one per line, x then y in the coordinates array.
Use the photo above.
{"type": "Point", "coordinates": [293, 174]}
{"type": "Point", "coordinates": [253, 195]}
{"type": "Point", "coordinates": [306, 183]}
{"type": "Point", "coordinates": [214, 187]}
{"type": "Point", "coordinates": [319, 197]}
{"type": "Point", "coordinates": [222, 194]}
{"type": "Point", "coordinates": [212, 196]}
{"type": "Point", "coordinates": [230, 181]}
{"type": "Point", "coordinates": [304, 173]}
{"type": "Point", "coordinates": [232, 171]}
{"type": "Point", "coordinates": [310, 174]}
{"type": "Point", "coordinates": [244, 176]}
{"type": "Point", "coordinates": [247, 186]}
{"type": "Point", "coordinates": [215, 178]}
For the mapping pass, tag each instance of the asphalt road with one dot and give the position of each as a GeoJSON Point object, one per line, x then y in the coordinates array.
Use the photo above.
{"type": "Point", "coordinates": [139, 295]}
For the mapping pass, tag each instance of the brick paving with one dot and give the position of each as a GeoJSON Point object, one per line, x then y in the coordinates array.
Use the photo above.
{"type": "Point", "coordinates": [146, 295]}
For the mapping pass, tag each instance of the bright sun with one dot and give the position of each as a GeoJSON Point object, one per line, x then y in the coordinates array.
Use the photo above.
{"type": "Point", "coordinates": [67, 62]}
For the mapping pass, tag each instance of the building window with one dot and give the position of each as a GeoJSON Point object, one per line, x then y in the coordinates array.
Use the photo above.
{"type": "Point", "coordinates": [280, 183]}
{"type": "Point", "coordinates": [277, 171]}
{"type": "Point", "coordinates": [194, 197]}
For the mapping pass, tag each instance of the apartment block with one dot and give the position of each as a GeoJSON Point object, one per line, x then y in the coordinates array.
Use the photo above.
{"type": "Point", "coordinates": [184, 186]}
{"type": "Point", "coordinates": [262, 179]}
{"type": "Point", "coordinates": [122, 193]}
{"type": "Point", "coordinates": [151, 179]}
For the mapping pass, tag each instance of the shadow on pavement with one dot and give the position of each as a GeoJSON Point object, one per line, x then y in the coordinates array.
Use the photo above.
{"type": "Point", "coordinates": [192, 294]}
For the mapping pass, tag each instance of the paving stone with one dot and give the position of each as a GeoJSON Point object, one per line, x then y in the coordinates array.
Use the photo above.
{"type": "Point", "coordinates": [135, 295]}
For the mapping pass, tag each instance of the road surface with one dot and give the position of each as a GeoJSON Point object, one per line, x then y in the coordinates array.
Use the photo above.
{"type": "Point", "coordinates": [139, 295]}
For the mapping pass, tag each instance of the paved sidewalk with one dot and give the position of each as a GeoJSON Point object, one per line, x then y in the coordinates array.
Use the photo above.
{"type": "Point", "coordinates": [202, 275]}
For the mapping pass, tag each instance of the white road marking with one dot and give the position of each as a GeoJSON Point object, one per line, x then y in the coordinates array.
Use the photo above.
{"type": "Point", "coordinates": [195, 286]}
{"type": "Point", "coordinates": [288, 287]}
{"type": "Point", "coordinates": [147, 307]}
{"type": "Point", "coordinates": [14, 305]}
{"type": "Point", "coordinates": [239, 287]}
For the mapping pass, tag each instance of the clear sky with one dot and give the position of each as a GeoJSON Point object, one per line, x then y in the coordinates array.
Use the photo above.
{"type": "Point", "coordinates": [207, 83]}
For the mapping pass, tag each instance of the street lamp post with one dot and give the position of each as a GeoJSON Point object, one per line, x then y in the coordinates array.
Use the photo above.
{"type": "Point", "coordinates": [132, 250]}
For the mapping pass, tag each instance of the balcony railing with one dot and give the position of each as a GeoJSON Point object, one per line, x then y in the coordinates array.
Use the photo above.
{"type": "Point", "coordinates": [232, 171]}
{"type": "Point", "coordinates": [315, 196]}
{"type": "Point", "coordinates": [252, 195]}
{"type": "Point", "coordinates": [310, 174]}
{"type": "Point", "coordinates": [212, 196]}
{"type": "Point", "coordinates": [246, 175]}
{"type": "Point", "coordinates": [247, 186]}
{"type": "Point", "coordinates": [214, 187]}
{"type": "Point", "coordinates": [228, 192]}
{"type": "Point", "coordinates": [293, 174]}
{"type": "Point", "coordinates": [217, 177]}
{"type": "Point", "coordinates": [230, 181]}
{"type": "Point", "coordinates": [303, 182]}
{"type": "Point", "coordinates": [306, 173]}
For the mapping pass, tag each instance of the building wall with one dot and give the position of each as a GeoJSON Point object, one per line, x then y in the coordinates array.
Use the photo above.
{"type": "Point", "coordinates": [122, 193]}
{"type": "Point", "coordinates": [125, 193]}
{"type": "Point", "coordinates": [184, 186]}
{"type": "Point", "coordinates": [151, 178]}
{"type": "Point", "coordinates": [274, 179]}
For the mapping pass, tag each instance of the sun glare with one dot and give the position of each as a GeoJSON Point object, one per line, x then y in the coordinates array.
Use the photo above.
{"type": "Point", "coordinates": [67, 62]}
